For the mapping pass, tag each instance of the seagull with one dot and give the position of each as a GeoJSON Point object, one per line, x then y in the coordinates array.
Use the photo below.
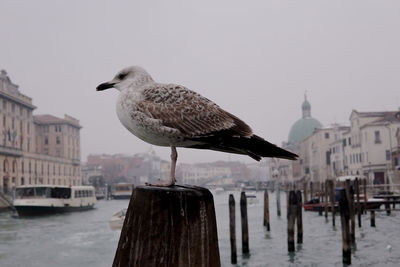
{"type": "Point", "coordinates": [172, 115]}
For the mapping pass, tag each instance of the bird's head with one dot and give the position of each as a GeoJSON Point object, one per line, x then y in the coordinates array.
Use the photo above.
{"type": "Point", "coordinates": [128, 77]}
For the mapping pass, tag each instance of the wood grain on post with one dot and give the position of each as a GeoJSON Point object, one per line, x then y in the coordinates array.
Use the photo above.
{"type": "Point", "coordinates": [344, 218]}
{"type": "Point", "coordinates": [245, 226]}
{"type": "Point", "coordinates": [299, 218]}
{"type": "Point", "coordinates": [232, 228]}
{"type": "Point", "coordinates": [169, 226]}
{"type": "Point", "coordinates": [266, 210]}
{"type": "Point", "coordinates": [292, 209]}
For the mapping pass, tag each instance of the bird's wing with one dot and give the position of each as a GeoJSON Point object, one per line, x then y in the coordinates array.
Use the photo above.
{"type": "Point", "coordinates": [190, 113]}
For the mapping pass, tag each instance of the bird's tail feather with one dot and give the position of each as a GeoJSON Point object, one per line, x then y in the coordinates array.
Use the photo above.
{"type": "Point", "coordinates": [253, 146]}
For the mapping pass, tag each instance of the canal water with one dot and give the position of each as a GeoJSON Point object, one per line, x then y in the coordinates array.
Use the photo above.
{"type": "Point", "coordinates": [85, 238]}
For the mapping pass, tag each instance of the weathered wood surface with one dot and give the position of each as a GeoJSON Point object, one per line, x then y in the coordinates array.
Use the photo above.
{"type": "Point", "coordinates": [169, 226]}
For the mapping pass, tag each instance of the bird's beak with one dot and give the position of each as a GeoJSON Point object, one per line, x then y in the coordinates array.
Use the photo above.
{"type": "Point", "coordinates": [105, 86]}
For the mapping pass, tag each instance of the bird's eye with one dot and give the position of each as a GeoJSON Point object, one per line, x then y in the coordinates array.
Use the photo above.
{"type": "Point", "coordinates": [121, 76]}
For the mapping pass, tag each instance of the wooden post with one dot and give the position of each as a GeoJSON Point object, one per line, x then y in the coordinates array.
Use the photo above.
{"type": "Point", "coordinates": [299, 214]}
{"type": "Point", "coordinates": [245, 227]}
{"type": "Point", "coordinates": [232, 228]}
{"type": "Point", "coordinates": [169, 226]}
{"type": "Point", "coordinates": [365, 195]}
{"type": "Point", "coordinates": [292, 209]}
{"type": "Point", "coordinates": [326, 198]}
{"type": "Point", "coordinates": [357, 186]}
{"type": "Point", "coordinates": [350, 198]}
{"type": "Point", "coordinates": [344, 218]}
{"type": "Point", "coordinates": [387, 207]}
{"type": "Point", "coordinates": [305, 192]}
{"type": "Point", "coordinates": [266, 210]}
{"type": "Point", "coordinates": [373, 218]}
{"type": "Point", "coordinates": [278, 200]}
{"type": "Point", "coordinates": [332, 187]}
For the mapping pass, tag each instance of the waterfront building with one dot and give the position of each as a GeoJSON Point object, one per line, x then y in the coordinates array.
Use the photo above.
{"type": "Point", "coordinates": [40, 149]}
{"type": "Point", "coordinates": [370, 145]}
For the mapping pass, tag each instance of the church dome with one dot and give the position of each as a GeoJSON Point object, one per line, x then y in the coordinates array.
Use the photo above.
{"type": "Point", "coordinates": [305, 126]}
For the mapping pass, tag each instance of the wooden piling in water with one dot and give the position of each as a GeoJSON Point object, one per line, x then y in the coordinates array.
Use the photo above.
{"type": "Point", "coordinates": [326, 198]}
{"type": "Point", "coordinates": [357, 187]}
{"type": "Point", "coordinates": [332, 189]}
{"type": "Point", "coordinates": [278, 200]}
{"type": "Point", "coordinates": [387, 207]}
{"type": "Point", "coordinates": [169, 226]}
{"type": "Point", "coordinates": [292, 210]}
{"type": "Point", "coordinates": [350, 199]}
{"type": "Point", "coordinates": [245, 226]}
{"type": "Point", "coordinates": [373, 218]}
{"type": "Point", "coordinates": [232, 228]}
{"type": "Point", "coordinates": [365, 195]}
{"type": "Point", "coordinates": [305, 191]}
{"type": "Point", "coordinates": [266, 210]}
{"type": "Point", "coordinates": [344, 218]}
{"type": "Point", "coordinates": [299, 218]}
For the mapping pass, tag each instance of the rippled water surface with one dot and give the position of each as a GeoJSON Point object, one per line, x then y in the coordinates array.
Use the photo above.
{"type": "Point", "coordinates": [85, 239]}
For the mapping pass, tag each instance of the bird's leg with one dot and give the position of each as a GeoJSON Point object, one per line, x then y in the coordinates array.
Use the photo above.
{"type": "Point", "coordinates": [174, 157]}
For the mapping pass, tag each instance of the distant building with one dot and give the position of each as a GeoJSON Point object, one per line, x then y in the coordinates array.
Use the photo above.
{"type": "Point", "coordinates": [40, 149]}
{"type": "Point", "coordinates": [300, 130]}
{"type": "Point", "coordinates": [137, 169]}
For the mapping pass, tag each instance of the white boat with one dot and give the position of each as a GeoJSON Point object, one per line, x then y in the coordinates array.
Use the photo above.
{"type": "Point", "coordinates": [117, 220]}
{"type": "Point", "coordinates": [47, 199]}
{"type": "Point", "coordinates": [122, 191]}
{"type": "Point", "coordinates": [219, 190]}
{"type": "Point", "coordinates": [251, 198]}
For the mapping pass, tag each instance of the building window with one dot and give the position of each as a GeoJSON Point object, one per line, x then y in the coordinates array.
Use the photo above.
{"type": "Point", "coordinates": [387, 154]}
{"type": "Point", "coordinates": [396, 161]}
{"type": "Point", "coordinates": [4, 121]}
{"type": "Point", "coordinates": [4, 104]}
{"type": "Point", "coordinates": [58, 152]}
{"type": "Point", "coordinates": [22, 181]}
{"type": "Point", "coordinates": [22, 167]}
{"type": "Point", "coordinates": [326, 135]}
{"type": "Point", "coordinates": [28, 127]}
{"type": "Point", "coordinates": [12, 123]}
{"type": "Point", "coordinates": [344, 142]}
{"type": "Point", "coordinates": [377, 137]}
{"type": "Point", "coordinates": [46, 140]}
{"type": "Point", "coordinates": [13, 108]}
{"type": "Point", "coordinates": [349, 141]}
{"type": "Point", "coordinates": [46, 151]}
{"type": "Point", "coordinates": [58, 140]}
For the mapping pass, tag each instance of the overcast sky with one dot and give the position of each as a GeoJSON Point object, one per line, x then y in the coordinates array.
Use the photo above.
{"type": "Point", "coordinates": [253, 58]}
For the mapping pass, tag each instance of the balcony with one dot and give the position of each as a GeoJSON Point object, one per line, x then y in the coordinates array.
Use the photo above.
{"type": "Point", "coordinates": [10, 151]}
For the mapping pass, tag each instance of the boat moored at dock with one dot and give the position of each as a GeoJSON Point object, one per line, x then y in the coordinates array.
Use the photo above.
{"type": "Point", "coordinates": [34, 200]}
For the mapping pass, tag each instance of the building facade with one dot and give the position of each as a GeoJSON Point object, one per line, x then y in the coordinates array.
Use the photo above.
{"type": "Point", "coordinates": [39, 149]}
